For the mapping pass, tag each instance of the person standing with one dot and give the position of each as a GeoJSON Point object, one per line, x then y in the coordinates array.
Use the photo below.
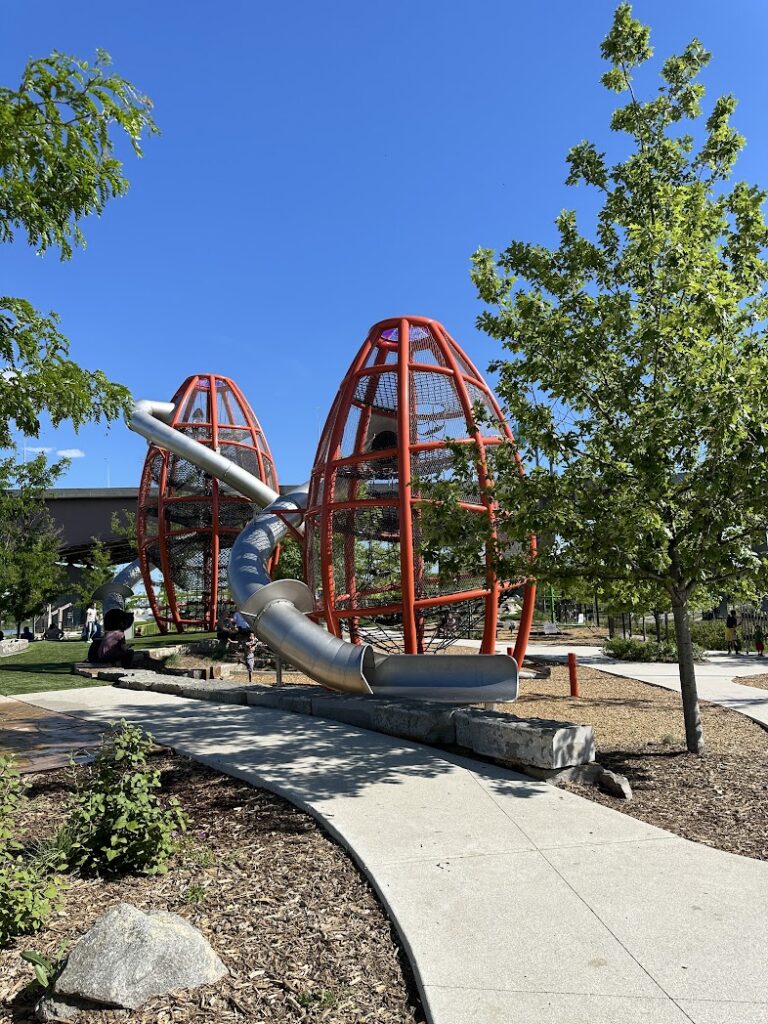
{"type": "Point", "coordinates": [250, 655]}
{"type": "Point", "coordinates": [731, 625]}
{"type": "Point", "coordinates": [90, 621]}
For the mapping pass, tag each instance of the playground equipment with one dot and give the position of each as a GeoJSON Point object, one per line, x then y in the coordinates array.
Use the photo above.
{"type": "Point", "coordinates": [188, 518]}
{"type": "Point", "coordinates": [409, 393]}
{"type": "Point", "coordinates": [409, 380]}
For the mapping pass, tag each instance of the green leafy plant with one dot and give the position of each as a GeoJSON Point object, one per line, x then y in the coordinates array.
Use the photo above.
{"type": "Point", "coordinates": [117, 823]}
{"type": "Point", "coordinates": [11, 793]}
{"type": "Point", "coordinates": [195, 893]}
{"type": "Point", "coordinates": [46, 969]}
{"type": "Point", "coordinates": [194, 852]}
{"type": "Point", "coordinates": [634, 649]}
{"type": "Point", "coordinates": [27, 893]}
{"type": "Point", "coordinates": [27, 898]}
{"type": "Point", "coordinates": [322, 999]}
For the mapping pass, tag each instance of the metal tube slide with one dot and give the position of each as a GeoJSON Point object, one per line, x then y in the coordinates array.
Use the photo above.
{"type": "Point", "coordinates": [277, 611]}
{"type": "Point", "coordinates": [113, 593]}
{"type": "Point", "coordinates": [148, 420]}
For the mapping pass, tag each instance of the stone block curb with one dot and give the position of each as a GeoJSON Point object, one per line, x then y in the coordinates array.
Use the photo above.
{"type": "Point", "coordinates": [543, 743]}
{"type": "Point", "coordinates": [540, 746]}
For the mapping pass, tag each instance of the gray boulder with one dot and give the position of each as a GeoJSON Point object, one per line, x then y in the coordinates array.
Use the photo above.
{"type": "Point", "coordinates": [128, 957]}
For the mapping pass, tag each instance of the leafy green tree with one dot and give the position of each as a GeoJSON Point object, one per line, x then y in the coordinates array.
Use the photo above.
{"type": "Point", "coordinates": [58, 164]}
{"type": "Point", "coordinates": [637, 358]}
{"type": "Point", "coordinates": [97, 571]}
{"type": "Point", "coordinates": [123, 524]}
{"type": "Point", "coordinates": [290, 564]}
{"type": "Point", "coordinates": [29, 540]}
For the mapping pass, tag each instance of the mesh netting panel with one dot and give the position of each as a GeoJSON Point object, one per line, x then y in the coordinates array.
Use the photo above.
{"type": "Point", "coordinates": [189, 559]}
{"type": "Point", "coordinates": [437, 412]}
{"type": "Point", "coordinates": [353, 438]}
{"type": "Point", "coordinates": [198, 406]}
{"type": "Point", "coordinates": [378, 390]}
{"type": "Point", "coordinates": [227, 406]}
{"type": "Point", "coordinates": [438, 628]}
{"type": "Point", "coordinates": [365, 554]}
{"type": "Point", "coordinates": [313, 571]}
{"type": "Point", "coordinates": [424, 348]}
{"type": "Point", "coordinates": [234, 513]}
{"type": "Point", "coordinates": [380, 356]}
{"type": "Point", "coordinates": [479, 398]}
{"type": "Point", "coordinates": [373, 479]}
{"type": "Point", "coordinates": [246, 458]}
{"type": "Point", "coordinates": [436, 464]}
{"type": "Point", "coordinates": [185, 478]}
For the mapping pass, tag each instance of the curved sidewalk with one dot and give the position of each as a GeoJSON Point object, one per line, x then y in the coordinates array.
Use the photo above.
{"type": "Point", "coordinates": [714, 675]}
{"type": "Point", "coordinates": [517, 903]}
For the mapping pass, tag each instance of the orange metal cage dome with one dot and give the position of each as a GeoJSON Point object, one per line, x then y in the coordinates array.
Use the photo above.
{"type": "Point", "coordinates": [409, 393]}
{"type": "Point", "coordinates": [188, 520]}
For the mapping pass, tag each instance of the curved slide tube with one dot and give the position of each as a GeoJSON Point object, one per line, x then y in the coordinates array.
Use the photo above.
{"type": "Point", "coordinates": [113, 593]}
{"type": "Point", "coordinates": [277, 611]}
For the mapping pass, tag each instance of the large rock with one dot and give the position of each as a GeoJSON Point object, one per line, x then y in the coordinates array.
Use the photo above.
{"type": "Point", "coordinates": [128, 957]}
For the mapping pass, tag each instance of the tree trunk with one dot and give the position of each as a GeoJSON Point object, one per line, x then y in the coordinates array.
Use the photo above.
{"type": "Point", "coordinates": [611, 627]}
{"type": "Point", "coordinates": [657, 620]}
{"type": "Point", "coordinates": [694, 734]}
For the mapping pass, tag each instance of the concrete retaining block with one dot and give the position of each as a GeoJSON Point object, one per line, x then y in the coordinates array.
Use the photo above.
{"type": "Point", "coordinates": [357, 711]}
{"type": "Point", "coordinates": [282, 698]}
{"type": "Point", "coordinates": [425, 722]}
{"type": "Point", "coordinates": [535, 741]}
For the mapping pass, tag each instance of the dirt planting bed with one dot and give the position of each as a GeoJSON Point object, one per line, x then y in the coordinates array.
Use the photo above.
{"type": "Point", "coordinates": [299, 928]}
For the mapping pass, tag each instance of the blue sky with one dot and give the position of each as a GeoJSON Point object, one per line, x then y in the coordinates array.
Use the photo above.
{"type": "Point", "coordinates": [322, 166]}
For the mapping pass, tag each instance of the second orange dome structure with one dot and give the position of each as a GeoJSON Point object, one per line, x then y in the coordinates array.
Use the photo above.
{"type": "Point", "coordinates": [409, 394]}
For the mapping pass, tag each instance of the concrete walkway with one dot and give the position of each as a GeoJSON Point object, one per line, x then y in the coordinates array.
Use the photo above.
{"type": "Point", "coordinates": [714, 676]}
{"type": "Point", "coordinates": [517, 903]}
{"type": "Point", "coordinates": [40, 740]}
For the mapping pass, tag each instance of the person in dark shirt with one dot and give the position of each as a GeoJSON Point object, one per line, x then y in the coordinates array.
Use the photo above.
{"type": "Point", "coordinates": [112, 649]}
{"type": "Point", "coordinates": [731, 636]}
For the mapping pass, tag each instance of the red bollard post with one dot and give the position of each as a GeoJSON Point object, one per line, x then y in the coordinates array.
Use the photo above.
{"type": "Point", "coordinates": [573, 678]}
{"type": "Point", "coordinates": [509, 651]}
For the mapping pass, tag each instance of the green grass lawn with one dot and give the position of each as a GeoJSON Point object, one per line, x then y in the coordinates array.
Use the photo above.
{"type": "Point", "coordinates": [47, 664]}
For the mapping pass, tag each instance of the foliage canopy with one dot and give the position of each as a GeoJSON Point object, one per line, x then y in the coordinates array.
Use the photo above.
{"type": "Point", "coordinates": [637, 358]}
{"type": "Point", "coordinates": [58, 164]}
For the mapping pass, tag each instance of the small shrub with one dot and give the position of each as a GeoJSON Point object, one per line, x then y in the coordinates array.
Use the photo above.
{"type": "Point", "coordinates": [117, 823]}
{"type": "Point", "coordinates": [195, 893]}
{"type": "Point", "coordinates": [634, 649]}
{"type": "Point", "coordinates": [709, 634]}
{"type": "Point", "coordinates": [192, 851]}
{"type": "Point", "coordinates": [11, 793]}
{"type": "Point", "coordinates": [27, 898]}
{"type": "Point", "coordinates": [27, 893]}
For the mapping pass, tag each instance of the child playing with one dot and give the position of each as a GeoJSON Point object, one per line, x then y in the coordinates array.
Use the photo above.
{"type": "Point", "coordinates": [250, 655]}
{"type": "Point", "coordinates": [759, 638]}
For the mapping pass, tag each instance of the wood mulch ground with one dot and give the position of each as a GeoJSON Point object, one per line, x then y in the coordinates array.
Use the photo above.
{"type": "Point", "coordinates": [760, 681]}
{"type": "Point", "coordinates": [299, 928]}
{"type": "Point", "coordinates": [720, 799]}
